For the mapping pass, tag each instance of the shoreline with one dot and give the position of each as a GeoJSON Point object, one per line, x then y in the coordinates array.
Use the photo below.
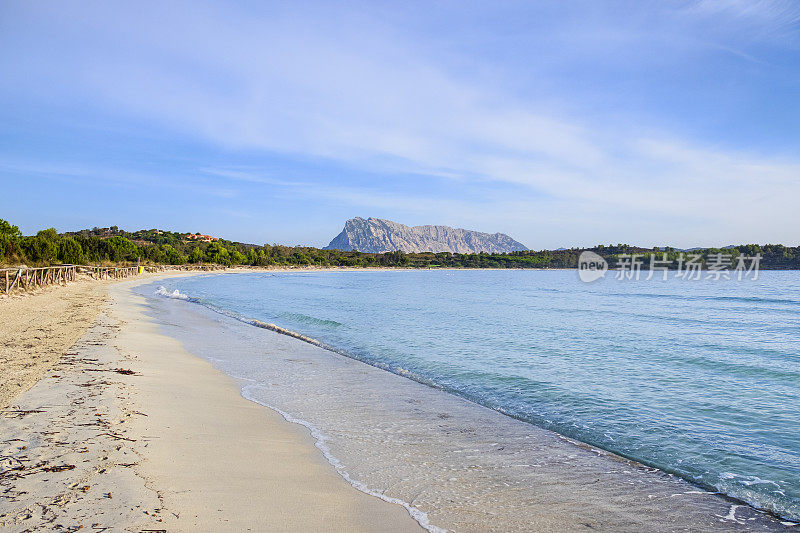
{"type": "Point", "coordinates": [123, 450]}
{"type": "Point", "coordinates": [575, 442]}
{"type": "Point", "coordinates": [699, 506]}
{"type": "Point", "coordinates": [638, 463]}
{"type": "Point", "coordinates": [130, 431]}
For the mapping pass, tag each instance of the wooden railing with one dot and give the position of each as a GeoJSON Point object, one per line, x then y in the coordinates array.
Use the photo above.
{"type": "Point", "coordinates": [25, 279]}
{"type": "Point", "coordinates": [101, 272]}
{"type": "Point", "coordinates": [21, 279]}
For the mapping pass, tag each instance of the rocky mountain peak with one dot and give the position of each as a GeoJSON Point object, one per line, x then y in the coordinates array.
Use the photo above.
{"type": "Point", "coordinates": [376, 235]}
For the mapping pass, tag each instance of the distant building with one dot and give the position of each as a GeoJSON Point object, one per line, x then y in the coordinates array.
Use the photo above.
{"type": "Point", "coordinates": [201, 238]}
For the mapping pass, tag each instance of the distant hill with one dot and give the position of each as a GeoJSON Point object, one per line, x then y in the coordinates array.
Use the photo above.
{"type": "Point", "coordinates": [375, 235]}
{"type": "Point", "coordinates": [116, 246]}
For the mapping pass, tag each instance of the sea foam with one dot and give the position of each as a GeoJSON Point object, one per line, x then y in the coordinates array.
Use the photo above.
{"type": "Point", "coordinates": [176, 294]}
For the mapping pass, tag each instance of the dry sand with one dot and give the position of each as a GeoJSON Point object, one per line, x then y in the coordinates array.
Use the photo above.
{"type": "Point", "coordinates": [128, 431]}
{"type": "Point", "coordinates": [35, 329]}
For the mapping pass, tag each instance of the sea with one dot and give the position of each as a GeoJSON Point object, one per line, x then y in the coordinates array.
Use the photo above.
{"type": "Point", "coordinates": [698, 380]}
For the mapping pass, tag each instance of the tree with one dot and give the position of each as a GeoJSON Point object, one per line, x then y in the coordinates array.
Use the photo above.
{"type": "Point", "coordinates": [9, 237]}
{"type": "Point", "coordinates": [121, 249]}
{"type": "Point", "coordinates": [6, 229]}
{"type": "Point", "coordinates": [299, 258]}
{"type": "Point", "coordinates": [217, 253]}
{"type": "Point", "coordinates": [40, 249]}
{"type": "Point", "coordinates": [50, 234]}
{"type": "Point", "coordinates": [196, 255]}
{"type": "Point", "coordinates": [264, 259]}
{"type": "Point", "coordinates": [69, 251]}
{"type": "Point", "coordinates": [172, 256]}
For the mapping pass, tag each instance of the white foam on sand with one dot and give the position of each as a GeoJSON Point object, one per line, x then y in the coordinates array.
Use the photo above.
{"type": "Point", "coordinates": [320, 442]}
{"type": "Point", "coordinates": [371, 430]}
{"type": "Point", "coordinates": [175, 295]}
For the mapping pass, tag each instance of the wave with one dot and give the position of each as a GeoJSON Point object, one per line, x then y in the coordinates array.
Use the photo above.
{"type": "Point", "coordinates": [175, 295]}
{"type": "Point", "coordinates": [734, 491]}
{"type": "Point", "coordinates": [306, 319]}
{"type": "Point", "coordinates": [319, 438]}
{"type": "Point", "coordinates": [742, 299]}
{"type": "Point", "coordinates": [320, 441]}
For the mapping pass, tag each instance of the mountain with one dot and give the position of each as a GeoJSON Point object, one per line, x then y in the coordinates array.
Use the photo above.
{"type": "Point", "coordinates": [375, 235]}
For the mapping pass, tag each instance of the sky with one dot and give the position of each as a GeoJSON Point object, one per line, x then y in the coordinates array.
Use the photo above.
{"type": "Point", "coordinates": [559, 123]}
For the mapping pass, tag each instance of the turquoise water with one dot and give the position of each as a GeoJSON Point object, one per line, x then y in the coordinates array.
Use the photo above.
{"type": "Point", "coordinates": [698, 378]}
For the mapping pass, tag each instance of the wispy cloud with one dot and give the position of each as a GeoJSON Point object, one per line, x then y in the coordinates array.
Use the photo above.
{"type": "Point", "coordinates": [248, 175]}
{"type": "Point", "coordinates": [344, 87]}
{"type": "Point", "coordinates": [92, 175]}
{"type": "Point", "coordinates": [768, 18]}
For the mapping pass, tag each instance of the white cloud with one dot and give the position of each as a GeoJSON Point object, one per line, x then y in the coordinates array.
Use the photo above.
{"type": "Point", "coordinates": [359, 92]}
{"type": "Point", "coordinates": [92, 175]}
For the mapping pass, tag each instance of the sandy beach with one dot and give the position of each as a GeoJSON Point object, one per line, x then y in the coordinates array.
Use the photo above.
{"type": "Point", "coordinates": [128, 431]}
{"type": "Point", "coordinates": [490, 267]}
{"type": "Point", "coordinates": [38, 328]}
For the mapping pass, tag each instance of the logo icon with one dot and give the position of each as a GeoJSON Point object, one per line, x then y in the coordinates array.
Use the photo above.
{"type": "Point", "coordinates": [591, 266]}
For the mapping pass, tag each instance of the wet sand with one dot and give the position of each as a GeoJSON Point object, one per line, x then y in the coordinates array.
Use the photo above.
{"type": "Point", "coordinates": [127, 430]}
{"type": "Point", "coordinates": [466, 467]}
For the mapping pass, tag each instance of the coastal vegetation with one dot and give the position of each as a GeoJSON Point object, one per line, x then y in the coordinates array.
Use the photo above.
{"type": "Point", "coordinates": [115, 246]}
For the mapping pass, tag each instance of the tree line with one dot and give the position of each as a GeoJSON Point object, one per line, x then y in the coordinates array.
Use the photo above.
{"type": "Point", "coordinates": [115, 246]}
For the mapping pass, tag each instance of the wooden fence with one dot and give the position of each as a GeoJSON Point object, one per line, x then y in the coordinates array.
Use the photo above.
{"type": "Point", "coordinates": [101, 272]}
{"type": "Point", "coordinates": [25, 279]}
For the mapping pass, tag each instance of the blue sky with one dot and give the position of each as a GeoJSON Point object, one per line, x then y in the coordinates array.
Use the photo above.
{"type": "Point", "coordinates": [559, 123]}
